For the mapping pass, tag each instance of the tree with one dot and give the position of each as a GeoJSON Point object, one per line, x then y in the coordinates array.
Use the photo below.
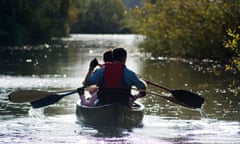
{"type": "Point", "coordinates": [34, 21]}
{"type": "Point", "coordinates": [100, 16]}
{"type": "Point", "coordinates": [185, 28]}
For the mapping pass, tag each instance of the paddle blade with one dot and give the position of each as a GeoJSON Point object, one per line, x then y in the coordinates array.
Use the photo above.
{"type": "Point", "coordinates": [27, 96]}
{"type": "Point", "coordinates": [46, 101]}
{"type": "Point", "coordinates": [50, 99]}
{"type": "Point", "coordinates": [188, 98]}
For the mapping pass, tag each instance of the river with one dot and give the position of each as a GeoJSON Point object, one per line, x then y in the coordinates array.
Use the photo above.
{"type": "Point", "coordinates": [63, 64]}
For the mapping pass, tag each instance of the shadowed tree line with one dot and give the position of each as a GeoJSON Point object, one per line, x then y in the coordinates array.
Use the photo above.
{"type": "Point", "coordinates": [37, 21]}
{"type": "Point", "coordinates": [100, 16]}
{"type": "Point", "coordinates": [33, 21]}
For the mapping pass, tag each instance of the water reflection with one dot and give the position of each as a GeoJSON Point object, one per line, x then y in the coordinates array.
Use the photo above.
{"type": "Point", "coordinates": [63, 129]}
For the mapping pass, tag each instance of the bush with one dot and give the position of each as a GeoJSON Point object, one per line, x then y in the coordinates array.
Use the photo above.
{"type": "Point", "coordinates": [190, 28]}
{"type": "Point", "coordinates": [233, 43]}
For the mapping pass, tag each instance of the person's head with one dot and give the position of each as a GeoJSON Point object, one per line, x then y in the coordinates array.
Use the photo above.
{"type": "Point", "coordinates": [119, 54]}
{"type": "Point", "coordinates": [108, 55]}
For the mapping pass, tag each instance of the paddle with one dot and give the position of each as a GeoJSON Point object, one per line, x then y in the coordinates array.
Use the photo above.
{"type": "Point", "coordinates": [38, 98]}
{"type": "Point", "coordinates": [171, 99]}
{"type": "Point", "coordinates": [51, 99]}
{"type": "Point", "coordinates": [30, 95]}
{"type": "Point", "coordinates": [182, 97]}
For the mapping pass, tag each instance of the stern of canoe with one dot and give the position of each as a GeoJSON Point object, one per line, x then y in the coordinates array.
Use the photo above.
{"type": "Point", "coordinates": [113, 115]}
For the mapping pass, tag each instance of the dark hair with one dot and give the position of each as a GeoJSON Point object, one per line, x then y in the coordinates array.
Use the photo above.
{"type": "Point", "coordinates": [108, 56]}
{"type": "Point", "coordinates": [119, 54]}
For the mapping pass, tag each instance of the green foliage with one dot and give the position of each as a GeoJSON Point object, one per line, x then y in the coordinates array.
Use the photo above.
{"type": "Point", "coordinates": [33, 21]}
{"type": "Point", "coordinates": [190, 28]}
{"type": "Point", "coordinates": [100, 16]}
{"type": "Point", "coordinates": [233, 43]}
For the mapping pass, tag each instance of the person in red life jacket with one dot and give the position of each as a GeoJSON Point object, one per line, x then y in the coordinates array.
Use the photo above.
{"type": "Point", "coordinates": [107, 58]}
{"type": "Point", "coordinates": [115, 80]}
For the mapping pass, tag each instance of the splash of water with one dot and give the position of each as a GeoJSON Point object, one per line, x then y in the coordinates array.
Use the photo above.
{"type": "Point", "coordinates": [203, 114]}
{"type": "Point", "coordinates": [37, 113]}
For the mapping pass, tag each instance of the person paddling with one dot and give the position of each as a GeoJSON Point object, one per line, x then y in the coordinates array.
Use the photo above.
{"type": "Point", "coordinates": [107, 58]}
{"type": "Point", "coordinates": [115, 80]}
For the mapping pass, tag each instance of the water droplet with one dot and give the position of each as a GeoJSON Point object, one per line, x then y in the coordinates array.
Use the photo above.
{"type": "Point", "coordinates": [28, 60]}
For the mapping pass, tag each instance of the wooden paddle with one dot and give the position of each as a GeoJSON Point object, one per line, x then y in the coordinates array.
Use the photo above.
{"type": "Point", "coordinates": [38, 98]}
{"type": "Point", "coordinates": [51, 99]}
{"type": "Point", "coordinates": [182, 97]}
{"type": "Point", "coordinates": [172, 99]}
{"type": "Point", "coordinates": [28, 95]}
{"type": "Point", "coordinates": [23, 96]}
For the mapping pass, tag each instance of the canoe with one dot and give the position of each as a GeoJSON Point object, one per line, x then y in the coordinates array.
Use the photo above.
{"type": "Point", "coordinates": [112, 115]}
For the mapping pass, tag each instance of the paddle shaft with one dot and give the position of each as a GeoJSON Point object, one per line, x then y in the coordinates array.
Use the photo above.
{"type": "Point", "coordinates": [171, 99]}
{"type": "Point", "coordinates": [148, 92]}
{"type": "Point", "coordinates": [158, 85]}
{"type": "Point", "coordinates": [23, 96]}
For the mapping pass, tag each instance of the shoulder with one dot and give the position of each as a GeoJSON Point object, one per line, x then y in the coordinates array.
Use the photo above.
{"type": "Point", "coordinates": [132, 79]}
{"type": "Point", "coordinates": [129, 72]}
{"type": "Point", "coordinates": [99, 70]}
{"type": "Point", "coordinates": [96, 76]}
{"type": "Point", "coordinates": [131, 75]}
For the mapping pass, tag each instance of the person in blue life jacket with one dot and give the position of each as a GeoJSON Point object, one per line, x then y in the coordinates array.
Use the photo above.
{"type": "Point", "coordinates": [115, 80]}
{"type": "Point", "coordinates": [107, 58]}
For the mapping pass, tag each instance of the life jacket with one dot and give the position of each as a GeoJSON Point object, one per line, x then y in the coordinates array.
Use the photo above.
{"type": "Point", "coordinates": [113, 88]}
{"type": "Point", "coordinates": [113, 75]}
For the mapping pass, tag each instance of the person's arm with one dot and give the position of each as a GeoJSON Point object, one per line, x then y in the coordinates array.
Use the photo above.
{"type": "Point", "coordinates": [92, 65]}
{"type": "Point", "coordinates": [142, 90]}
{"type": "Point", "coordinates": [89, 73]}
{"type": "Point", "coordinates": [132, 79]}
{"type": "Point", "coordinates": [96, 77]}
{"type": "Point", "coordinates": [140, 84]}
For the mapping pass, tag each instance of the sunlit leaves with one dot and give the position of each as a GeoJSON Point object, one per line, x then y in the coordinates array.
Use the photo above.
{"type": "Point", "coordinates": [228, 67]}
{"type": "Point", "coordinates": [233, 43]}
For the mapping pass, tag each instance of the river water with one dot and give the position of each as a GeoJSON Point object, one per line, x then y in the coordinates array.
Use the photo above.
{"type": "Point", "coordinates": [62, 65]}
